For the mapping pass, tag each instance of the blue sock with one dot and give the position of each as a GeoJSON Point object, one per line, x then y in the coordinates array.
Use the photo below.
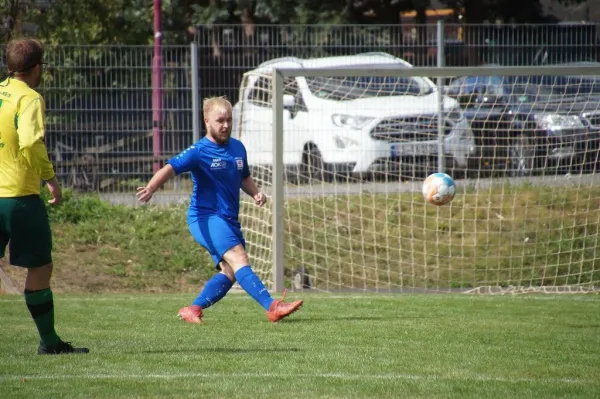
{"type": "Point", "coordinates": [253, 286]}
{"type": "Point", "coordinates": [214, 290]}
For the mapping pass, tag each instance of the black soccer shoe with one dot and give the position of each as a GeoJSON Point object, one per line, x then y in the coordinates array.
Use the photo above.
{"type": "Point", "coordinates": [60, 348]}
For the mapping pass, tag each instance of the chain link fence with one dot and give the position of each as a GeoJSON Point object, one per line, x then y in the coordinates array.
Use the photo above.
{"type": "Point", "coordinates": [100, 130]}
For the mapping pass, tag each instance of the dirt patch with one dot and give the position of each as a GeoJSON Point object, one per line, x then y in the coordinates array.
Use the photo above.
{"type": "Point", "coordinates": [82, 269]}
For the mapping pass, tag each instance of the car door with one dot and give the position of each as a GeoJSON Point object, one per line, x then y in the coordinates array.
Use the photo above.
{"type": "Point", "coordinates": [296, 124]}
{"type": "Point", "coordinates": [256, 118]}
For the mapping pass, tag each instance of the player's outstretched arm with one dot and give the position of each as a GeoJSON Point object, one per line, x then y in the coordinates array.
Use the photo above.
{"type": "Point", "coordinates": [250, 188]}
{"type": "Point", "coordinates": [144, 194]}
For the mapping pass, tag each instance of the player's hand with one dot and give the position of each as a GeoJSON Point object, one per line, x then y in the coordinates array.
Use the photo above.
{"type": "Point", "coordinates": [260, 199]}
{"type": "Point", "coordinates": [144, 194]}
{"type": "Point", "coordinates": [55, 191]}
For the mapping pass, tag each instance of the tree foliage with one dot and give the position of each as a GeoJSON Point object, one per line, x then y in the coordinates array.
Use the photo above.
{"type": "Point", "coordinates": [131, 21]}
{"type": "Point", "coordinates": [518, 11]}
{"type": "Point", "coordinates": [101, 21]}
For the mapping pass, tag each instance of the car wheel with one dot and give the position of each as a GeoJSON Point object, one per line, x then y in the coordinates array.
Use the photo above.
{"type": "Point", "coordinates": [477, 166]}
{"type": "Point", "coordinates": [522, 157]}
{"type": "Point", "coordinates": [262, 175]}
{"type": "Point", "coordinates": [588, 159]}
{"type": "Point", "coordinates": [313, 167]}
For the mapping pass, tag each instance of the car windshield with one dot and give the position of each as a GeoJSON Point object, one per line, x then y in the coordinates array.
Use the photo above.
{"type": "Point", "coordinates": [529, 88]}
{"type": "Point", "coordinates": [352, 88]}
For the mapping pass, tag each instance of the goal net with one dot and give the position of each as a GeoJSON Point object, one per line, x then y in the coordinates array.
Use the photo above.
{"type": "Point", "coordinates": [354, 144]}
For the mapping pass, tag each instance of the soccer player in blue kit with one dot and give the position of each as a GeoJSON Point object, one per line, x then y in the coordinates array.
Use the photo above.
{"type": "Point", "coordinates": [219, 168]}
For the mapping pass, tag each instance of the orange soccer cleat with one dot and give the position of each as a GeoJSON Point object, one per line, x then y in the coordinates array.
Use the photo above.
{"type": "Point", "coordinates": [191, 314]}
{"type": "Point", "coordinates": [279, 309]}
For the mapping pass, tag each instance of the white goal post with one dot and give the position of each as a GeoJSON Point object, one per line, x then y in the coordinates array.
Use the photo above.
{"type": "Point", "coordinates": [527, 211]}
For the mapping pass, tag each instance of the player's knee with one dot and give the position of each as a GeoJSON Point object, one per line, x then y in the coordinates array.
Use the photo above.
{"type": "Point", "coordinates": [231, 276]}
{"type": "Point", "coordinates": [39, 277]}
{"type": "Point", "coordinates": [41, 272]}
{"type": "Point", "coordinates": [236, 257]}
{"type": "Point", "coordinates": [228, 271]}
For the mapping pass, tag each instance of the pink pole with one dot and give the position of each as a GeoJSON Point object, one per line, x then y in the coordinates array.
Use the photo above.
{"type": "Point", "coordinates": [157, 87]}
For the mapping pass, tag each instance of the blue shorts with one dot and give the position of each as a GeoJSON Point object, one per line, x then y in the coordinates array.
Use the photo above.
{"type": "Point", "coordinates": [216, 234]}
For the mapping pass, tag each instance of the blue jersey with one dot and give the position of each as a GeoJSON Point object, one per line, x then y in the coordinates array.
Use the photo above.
{"type": "Point", "coordinates": [217, 174]}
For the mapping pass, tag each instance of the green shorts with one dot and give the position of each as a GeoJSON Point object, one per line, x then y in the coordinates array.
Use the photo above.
{"type": "Point", "coordinates": [24, 227]}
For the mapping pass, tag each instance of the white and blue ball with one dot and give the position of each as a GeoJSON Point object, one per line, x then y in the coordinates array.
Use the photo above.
{"type": "Point", "coordinates": [439, 189]}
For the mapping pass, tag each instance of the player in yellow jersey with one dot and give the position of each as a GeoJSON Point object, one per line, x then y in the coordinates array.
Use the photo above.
{"type": "Point", "coordinates": [24, 164]}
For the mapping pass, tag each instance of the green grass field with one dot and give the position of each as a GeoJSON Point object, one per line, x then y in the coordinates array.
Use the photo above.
{"type": "Point", "coordinates": [506, 235]}
{"type": "Point", "coordinates": [336, 346]}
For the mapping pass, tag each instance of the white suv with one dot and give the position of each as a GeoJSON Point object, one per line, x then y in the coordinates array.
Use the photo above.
{"type": "Point", "coordinates": [349, 125]}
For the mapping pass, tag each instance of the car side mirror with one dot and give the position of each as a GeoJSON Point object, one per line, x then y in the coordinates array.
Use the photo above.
{"type": "Point", "coordinates": [289, 101]}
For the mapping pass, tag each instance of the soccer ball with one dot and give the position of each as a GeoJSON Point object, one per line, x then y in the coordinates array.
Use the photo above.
{"type": "Point", "coordinates": [439, 189]}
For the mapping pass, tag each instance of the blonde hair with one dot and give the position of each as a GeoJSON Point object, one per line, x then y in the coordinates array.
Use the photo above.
{"type": "Point", "coordinates": [212, 103]}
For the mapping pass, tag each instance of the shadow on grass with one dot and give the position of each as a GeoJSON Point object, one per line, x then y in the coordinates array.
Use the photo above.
{"type": "Point", "coordinates": [332, 319]}
{"type": "Point", "coordinates": [187, 350]}
{"type": "Point", "coordinates": [222, 351]}
{"type": "Point", "coordinates": [571, 325]}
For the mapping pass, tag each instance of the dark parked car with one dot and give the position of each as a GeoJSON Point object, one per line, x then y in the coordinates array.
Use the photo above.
{"type": "Point", "coordinates": [527, 124]}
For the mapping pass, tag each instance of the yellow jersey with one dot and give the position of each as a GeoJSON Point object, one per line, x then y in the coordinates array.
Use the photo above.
{"type": "Point", "coordinates": [24, 158]}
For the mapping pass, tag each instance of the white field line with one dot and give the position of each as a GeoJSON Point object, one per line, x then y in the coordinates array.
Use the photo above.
{"type": "Point", "coordinates": [338, 376]}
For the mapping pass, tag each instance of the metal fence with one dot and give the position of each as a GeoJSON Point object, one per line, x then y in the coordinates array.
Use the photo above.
{"type": "Point", "coordinates": [99, 98]}
{"type": "Point", "coordinates": [227, 51]}
{"type": "Point", "coordinates": [99, 113]}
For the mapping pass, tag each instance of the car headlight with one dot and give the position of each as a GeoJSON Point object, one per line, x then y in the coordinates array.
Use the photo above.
{"type": "Point", "coordinates": [557, 122]}
{"type": "Point", "coordinates": [351, 121]}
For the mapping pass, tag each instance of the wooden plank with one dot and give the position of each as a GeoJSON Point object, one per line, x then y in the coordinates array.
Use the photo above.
{"type": "Point", "coordinates": [116, 160]}
{"type": "Point", "coordinates": [119, 143]}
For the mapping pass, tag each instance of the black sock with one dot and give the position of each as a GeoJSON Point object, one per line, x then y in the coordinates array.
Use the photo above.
{"type": "Point", "coordinates": [41, 307]}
